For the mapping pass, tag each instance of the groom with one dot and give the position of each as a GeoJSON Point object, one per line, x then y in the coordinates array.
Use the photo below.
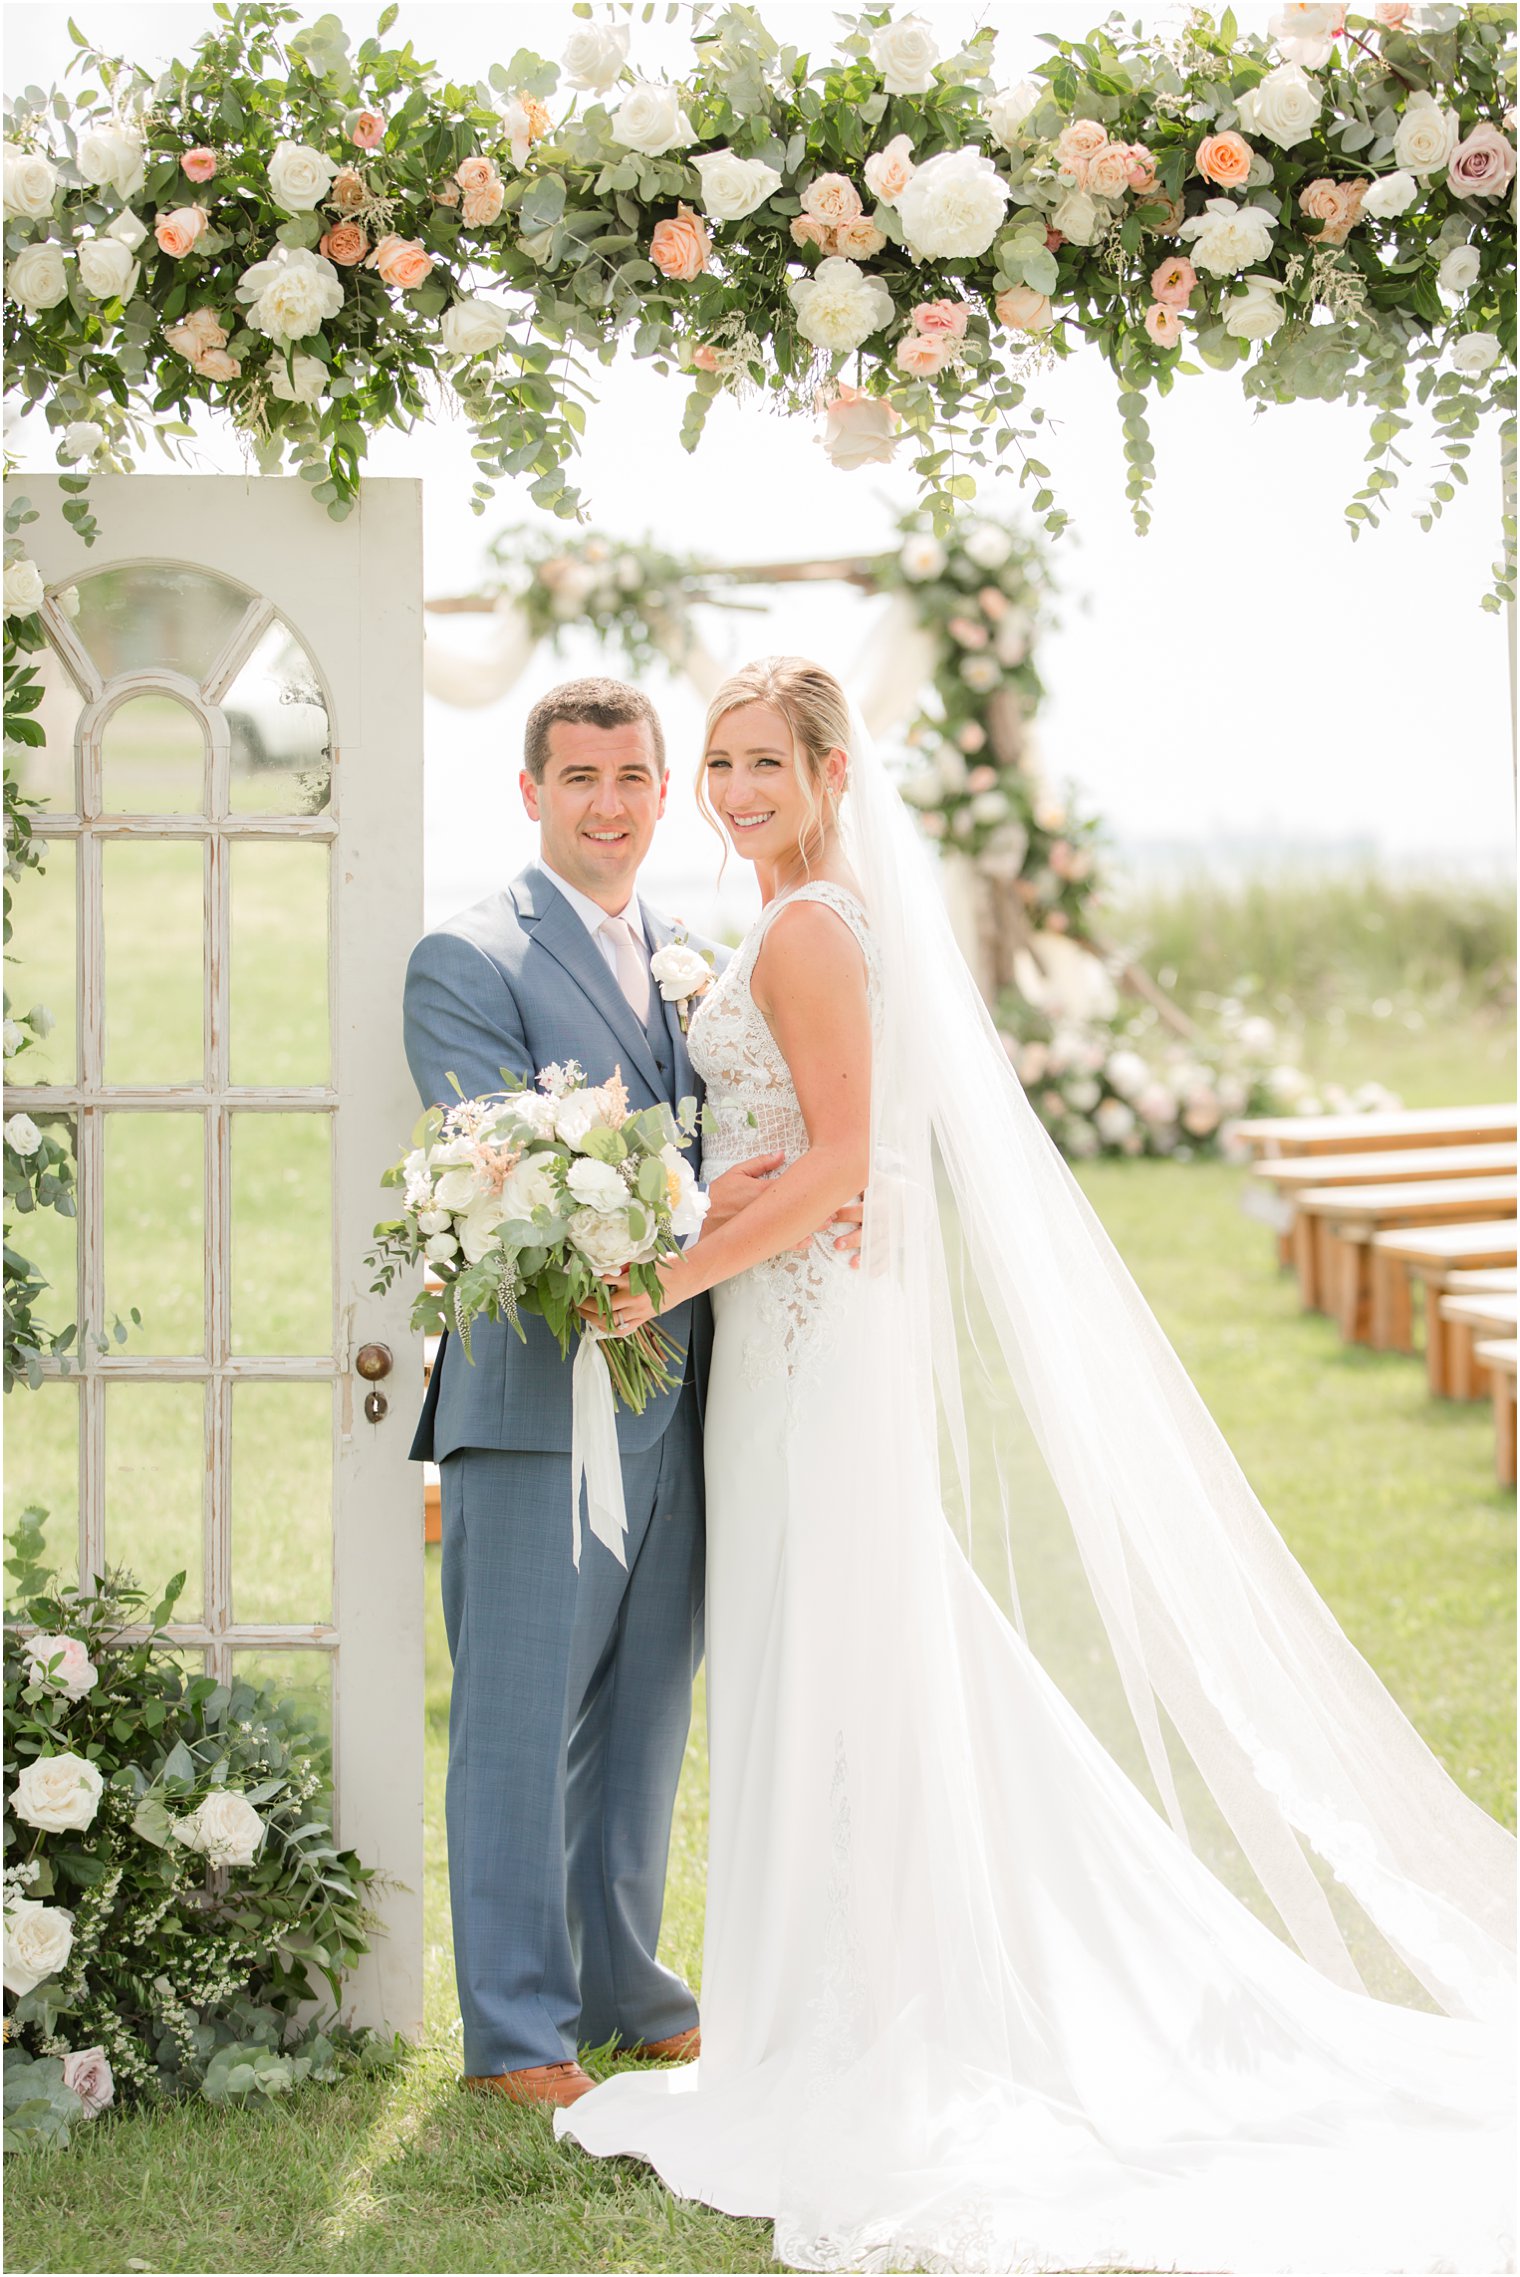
{"type": "Point", "coordinates": [572, 1690]}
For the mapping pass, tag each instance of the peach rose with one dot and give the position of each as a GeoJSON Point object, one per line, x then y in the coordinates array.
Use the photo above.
{"type": "Point", "coordinates": [704, 358]}
{"type": "Point", "coordinates": [1022, 309]}
{"type": "Point", "coordinates": [1108, 172]}
{"type": "Point", "coordinates": [200, 330]}
{"type": "Point", "coordinates": [807, 231]}
{"type": "Point", "coordinates": [1142, 167]}
{"type": "Point", "coordinates": [924, 354]}
{"type": "Point", "coordinates": [832, 200]}
{"type": "Point", "coordinates": [1337, 205]}
{"type": "Point", "coordinates": [1393, 14]}
{"type": "Point", "coordinates": [680, 247]}
{"type": "Point", "coordinates": [367, 131]}
{"type": "Point", "coordinates": [215, 363]}
{"type": "Point", "coordinates": [888, 172]}
{"type": "Point", "coordinates": [177, 232]}
{"type": "Point", "coordinates": [1174, 282]}
{"type": "Point", "coordinates": [345, 244]}
{"type": "Point", "coordinates": [198, 165]}
{"type": "Point", "coordinates": [857, 240]}
{"type": "Point", "coordinates": [349, 190]}
{"type": "Point", "coordinates": [1172, 214]}
{"type": "Point", "coordinates": [1077, 146]}
{"type": "Point", "coordinates": [980, 779]}
{"type": "Point", "coordinates": [971, 737]}
{"type": "Point", "coordinates": [478, 207]}
{"type": "Point", "coordinates": [993, 602]}
{"type": "Point", "coordinates": [446, 194]}
{"type": "Point", "coordinates": [858, 429]}
{"type": "Point", "coordinates": [967, 632]}
{"type": "Point", "coordinates": [942, 316]}
{"type": "Point", "coordinates": [1224, 158]}
{"type": "Point", "coordinates": [475, 173]}
{"type": "Point", "coordinates": [402, 262]}
{"type": "Point", "coordinates": [1163, 324]}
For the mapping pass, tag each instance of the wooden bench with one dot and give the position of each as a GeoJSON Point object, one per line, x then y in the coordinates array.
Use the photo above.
{"type": "Point", "coordinates": [1345, 1221]}
{"type": "Point", "coordinates": [1463, 1321]}
{"type": "Point", "coordinates": [1288, 1176]}
{"type": "Point", "coordinates": [1499, 1357]}
{"type": "Point", "coordinates": [1430, 1254]}
{"type": "Point", "coordinates": [1273, 1135]}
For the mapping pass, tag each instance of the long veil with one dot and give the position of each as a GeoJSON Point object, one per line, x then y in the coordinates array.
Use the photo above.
{"type": "Point", "coordinates": [1100, 1504]}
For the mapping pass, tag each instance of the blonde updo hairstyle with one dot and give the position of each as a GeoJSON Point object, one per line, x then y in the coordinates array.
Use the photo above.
{"type": "Point", "coordinates": [817, 712]}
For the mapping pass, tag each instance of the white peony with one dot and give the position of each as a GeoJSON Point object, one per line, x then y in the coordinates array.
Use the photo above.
{"type": "Point", "coordinates": [651, 121]}
{"type": "Point", "coordinates": [535, 1109]}
{"type": "Point", "coordinates": [528, 1188]}
{"type": "Point", "coordinates": [1256, 313]}
{"type": "Point", "coordinates": [292, 293]}
{"type": "Point", "coordinates": [63, 1663]}
{"type": "Point", "coordinates": [905, 54]}
{"type": "Point", "coordinates": [59, 1793]}
{"type": "Point", "coordinates": [38, 1941]}
{"type": "Point", "coordinates": [305, 382]}
{"type": "Point", "coordinates": [225, 1828]}
{"type": "Point", "coordinates": [1426, 135]}
{"type": "Point", "coordinates": [1475, 352]}
{"type": "Point", "coordinates": [922, 558]}
{"type": "Point", "coordinates": [605, 1239]}
{"type": "Point", "coordinates": [1389, 195]}
{"type": "Point", "coordinates": [688, 1203]}
{"type": "Point", "coordinates": [594, 55]}
{"type": "Point", "coordinates": [1007, 112]}
{"type": "Point", "coordinates": [31, 184]}
{"type": "Point", "coordinates": [107, 269]}
{"type": "Point", "coordinates": [299, 177]}
{"type": "Point", "coordinates": [576, 1115]}
{"type": "Point", "coordinates": [1284, 106]}
{"type": "Point", "coordinates": [471, 325]}
{"type": "Point", "coordinates": [839, 306]}
{"type": "Point", "coordinates": [733, 187]}
{"type": "Point", "coordinates": [21, 1133]}
{"type": "Point", "coordinates": [1458, 273]}
{"type": "Point", "coordinates": [597, 1185]}
{"type": "Point", "coordinates": [476, 1226]}
{"type": "Point", "coordinates": [111, 157]}
{"type": "Point", "coordinates": [953, 207]}
{"type": "Point", "coordinates": [128, 230]}
{"type": "Point", "coordinates": [680, 970]}
{"type": "Point", "coordinates": [1227, 238]}
{"type": "Point", "coordinates": [36, 277]}
{"type": "Point", "coordinates": [1079, 217]}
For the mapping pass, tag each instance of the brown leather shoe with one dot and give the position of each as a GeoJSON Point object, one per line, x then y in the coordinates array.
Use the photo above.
{"type": "Point", "coordinates": [681, 2048]}
{"type": "Point", "coordinates": [559, 2084]}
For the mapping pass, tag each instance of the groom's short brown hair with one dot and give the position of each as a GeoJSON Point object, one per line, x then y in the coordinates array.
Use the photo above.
{"type": "Point", "coordinates": [594, 703]}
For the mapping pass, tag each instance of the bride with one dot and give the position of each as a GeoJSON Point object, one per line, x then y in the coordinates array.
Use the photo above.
{"type": "Point", "coordinates": [1226, 1988]}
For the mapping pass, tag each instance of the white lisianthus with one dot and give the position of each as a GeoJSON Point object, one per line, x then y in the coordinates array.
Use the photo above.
{"type": "Point", "coordinates": [953, 207]}
{"type": "Point", "coordinates": [1007, 112]}
{"type": "Point", "coordinates": [31, 184]}
{"type": "Point", "coordinates": [1256, 313]}
{"type": "Point", "coordinates": [1305, 31]}
{"type": "Point", "coordinates": [528, 1188]}
{"type": "Point", "coordinates": [299, 177]}
{"type": "Point", "coordinates": [291, 294]}
{"type": "Point", "coordinates": [111, 157]}
{"type": "Point", "coordinates": [1285, 106]}
{"type": "Point", "coordinates": [597, 1185]}
{"type": "Point", "coordinates": [651, 121]}
{"type": "Point", "coordinates": [1458, 273]}
{"type": "Point", "coordinates": [905, 54]}
{"type": "Point", "coordinates": [734, 187]}
{"type": "Point", "coordinates": [36, 277]}
{"type": "Point", "coordinates": [1426, 135]}
{"type": "Point", "coordinates": [605, 1239]}
{"type": "Point", "coordinates": [839, 306]}
{"type": "Point", "coordinates": [128, 230]}
{"type": "Point", "coordinates": [1079, 217]}
{"type": "Point", "coordinates": [23, 597]}
{"type": "Point", "coordinates": [38, 1941]}
{"type": "Point", "coordinates": [225, 1828]}
{"type": "Point", "coordinates": [305, 382]}
{"type": "Point", "coordinates": [59, 1793]}
{"type": "Point", "coordinates": [107, 269]}
{"type": "Point", "coordinates": [1227, 238]}
{"type": "Point", "coordinates": [63, 1663]}
{"type": "Point", "coordinates": [471, 325]}
{"type": "Point", "coordinates": [1390, 195]}
{"type": "Point", "coordinates": [1475, 352]}
{"type": "Point", "coordinates": [922, 558]}
{"type": "Point", "coordinates": [594, 55]}
{"type": "Point", "coordinates": [476, 1227]}
{"type": "Point", "coordinates": [21, 1133]}
{"type": "Point", "coordinates": [680, 970]}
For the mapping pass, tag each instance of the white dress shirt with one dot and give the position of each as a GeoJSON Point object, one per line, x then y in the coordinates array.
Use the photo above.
{"type": "Point", "coordinates": [591, 914]}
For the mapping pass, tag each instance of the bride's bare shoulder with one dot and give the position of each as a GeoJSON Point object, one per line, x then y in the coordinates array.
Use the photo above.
{"type": "Point", "coordinates": [810, 949]}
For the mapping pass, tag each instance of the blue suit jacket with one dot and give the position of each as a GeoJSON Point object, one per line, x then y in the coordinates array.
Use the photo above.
{"type": "Point", "coordinates": [515, 983]}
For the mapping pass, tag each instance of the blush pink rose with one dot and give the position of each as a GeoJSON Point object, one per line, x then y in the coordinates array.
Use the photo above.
{"type": "Point", "coordinates": [680, 247]}
{"type": "Point", "coordinates": [349, 191]}
{"type": "Point", "coordinates": [1163, 324]}
{"type": "Point", "coordinates": [446, 194]}
{"type": "Point", "coordinates": [858, 429]}
{"type": "Point", "coordinates": [888, 172]}
{"type": "Point", "coordinates": [1482, 166]}
{"type": "Point", "coordinates": [1022, 309]}
{"type": "Point", "coordinates": [832, 200]}
{"type": "Point", "coordinates": [942, 316]}
{"type": "Point", "coordinates": [980, 778]}
{"type": "Point", "coordinates": [345, 244]}
{"type": "Point", "coordinates": [925, 354]}
{"type": "Point", "coordinates": [367, 131]}
{"type": "Point", "coordinates": [177, 232]}
{"type": "Point", "coordinates": [967, 632]}
{"type": "Point", "coordinates": [215, 363]}
{"type": "Point", "coordinates": [1108, 170]}
{"type": "Point", "coordinates": [1393, 14]}
{"type": "Point", "coordinates": [1142, 167]}
{"type": "Point", "coordinates": [198, 165]}
{"type": "Point", "coordinates": [88, 2073]}
{"type": "Point", "coordinates": [1224, 158]}
{"type": "Point", "coordinates": [476, 173]}
{"type": "Point", "coordinates": [704, 358]}
{"type": "Point", "coordinates": [971, 737]}
{"type": "Point", "coordinates": [201, 329]}
{"type": "Point", "coordinates": [807, 231]}
{"type": "Point", "coordinates": [402, 262]}
{"type": "Point", "coordinates": [1175, 282]}
{"type": "Point", "coordinates": [857, 240]}
{"type": "Point", "coordinates": [1077, 146]}
{"type": "Point", "coordinates": [994, 603]}
{"type": "Point", "coordinates": [1337, 206]}
{"type": "Point", "coordinates": [479, 207]}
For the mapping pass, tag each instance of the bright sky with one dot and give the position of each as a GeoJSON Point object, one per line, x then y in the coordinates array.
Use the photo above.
{"type": "Point", "coordinates": [1243, 676]}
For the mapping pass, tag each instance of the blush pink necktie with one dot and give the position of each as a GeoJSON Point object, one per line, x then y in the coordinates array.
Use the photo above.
{"type": "Point", "coordinates": [632, 972]}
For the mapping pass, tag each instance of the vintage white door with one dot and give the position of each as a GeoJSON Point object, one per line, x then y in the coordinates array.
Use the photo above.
{"type": "Point", "coordinates": [234, 879]}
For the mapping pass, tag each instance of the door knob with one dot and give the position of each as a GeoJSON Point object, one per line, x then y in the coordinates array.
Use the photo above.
{"type": "Point", "coordinates": [373, 1361]}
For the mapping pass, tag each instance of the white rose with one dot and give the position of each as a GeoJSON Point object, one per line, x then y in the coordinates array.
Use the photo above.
{"type": "Point", "coordinates": [1305, 30]}
{"type": "Point", "coordinates": [111, 157]}
{"type": "Point", "coordinates": [733, 187]}
{"type": "Point", "coordinates": [1127, 1072]}
{"type": "Point", "coordinates": [680, 970]}
{"type": "Point", "coordinates": [59, 1793]}
{"type": "Point", "coordinates": [290, 294]}
{"type": "Point", "coordinates": [433, 1221]}
{"type": "Point", "coordinates": [15, 1037]}
{"type": "Point", "coordinates": [1426, 135]}
{"type": "Point", "coordinates": [81, 439]}
{"type": "Point", "coordinates": [305, 382]}
{"type": "Point", "coordinates": [107, 270]}
{"type": "Point", "coordinates": [1007, 112]}
{"type": "Point", "coordinates": [688, 1204]}
{"type": "Point", "coordinates": [87, 2072]}
{"type": "Point", "coordinates": [1256, 313]}
{"type": "Point", "coordinates": [606, 1241]}
{"type": "Point", "coordinates": [594, 55]}
{"type": "Point", "coordinates": [922, 558]}
{"type": "Point", "coordinates": [651, 121]}
{"type": "Point", "coordinates": [471, 325]}
{"type": "Point", "coordinates": [75, 1672]}
{"type": "Point", "coordinates": [1475, 352]}
{"type": "Point", "coordinates": [23, 597]}
{"type": "Point", "coordinates": [1228, 238]}
{"type": "Point", "coordinates": [39, 1016]}
{"type": "Point", "coordinates": [1390, 194]}
{"type": "Point", "coordinates": [597, 1185]}
{"type": "Point", "coordinates": [224, 1828]}
{"type": "Point", "coordinates": [21, 1133]}
{"type": "Point", "coordinates": [953, 207]}
{"type": "Point", "coordinates": [988, 546]}
{"type": "Point", "coordinates": [1115, 1120]}
{"type": "Point", "coordinates": [37, 277]}
{"type": "Point", "coordinates": [905, 54]}
{"type": "Point", "coordinates": [1458, 273]}
{"type": "Point", "coordinates": [38, 1941]}
{"type": "Point", "coordinates": [299, 177]}
{"type": "Point", "coordinates": [839, 306]}
{"type": "Point", "coordinates": [31, 184]}
{"type": "Point", "coordinates": [1284, 106]}
{"type": "Point", "coordinates": [477, 1226]}
{"type": "Point", "coordinates": [127, 230]}
{"type": "Point", "coordinates": [981, 673]}
{"type": "Point", "coordinates": [528, 1188]}
{"type": "Point", "coordinates": [439, 1247]}
{"type": "Point", "coordinates": [576, 1115]}
{"type": "Point", "coordinates": [1079, 217]}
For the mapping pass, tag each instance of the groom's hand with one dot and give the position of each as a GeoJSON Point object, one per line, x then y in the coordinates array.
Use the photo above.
{"type": "Point", "coordinates": [737, 1188]}
{"type": "Point", "coordinates": [849, 1224]}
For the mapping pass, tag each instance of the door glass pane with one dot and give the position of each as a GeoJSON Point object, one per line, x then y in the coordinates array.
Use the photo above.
{"type": "Point", "coordinates": [282, 1298]}
{"type": "Point", "coordinates": [280, 733]}
{"type": "Point", "coordinates": [282, 1474]}
{"type": "Point", "coordinates": [153, 758]}
{"type": "Point", "coordinates": [50, 1241]}
{"type": "Point", "coordinates": [39, 966]}
{"type": "Point", "coordinates": [155, 1230]}
{"type": "Point", "coordinates": [154, 939]}
{"type": "Point", "coordinates": [155, 1466]}
{"type": "Point", "coordinates": [279, 963]}
{"type": "Point", "coordinates": [157, 613]}
{"type": "Point", "coordinates": [42, 1466]}
{"type": "Point", "coordinates": [51, 771]}
{"type": "Point", "coordinates": [301, 1679]}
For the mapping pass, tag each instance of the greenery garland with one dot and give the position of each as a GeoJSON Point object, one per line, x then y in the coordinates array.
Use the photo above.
{"type": "Point", "coordinates": [299, 235]}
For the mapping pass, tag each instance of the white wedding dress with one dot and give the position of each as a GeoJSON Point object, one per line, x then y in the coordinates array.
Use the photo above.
{"type": "Point", "coordinates": [969, 2002]}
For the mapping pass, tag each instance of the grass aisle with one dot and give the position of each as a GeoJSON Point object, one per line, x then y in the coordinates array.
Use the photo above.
{"type": "Point", "coordinates": [1387, 1499]}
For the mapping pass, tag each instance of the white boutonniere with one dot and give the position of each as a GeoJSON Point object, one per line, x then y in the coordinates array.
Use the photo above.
{"type": "Point", "coordinates": [683, 973]}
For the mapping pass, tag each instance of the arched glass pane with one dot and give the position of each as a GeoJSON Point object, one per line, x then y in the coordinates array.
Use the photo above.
{"type": "Point", "coordinates": [279, 730]}
{"type": "Point", "coordinates": [157, 613]}
{"type": "Point", "coordinates": [153, 758]}
{"type": "Point", "coordinates": [51, 770]}
{"type": "Point", "coordinates": [279, 962]}
{"type": "Point", "coordinates": [154, 895]}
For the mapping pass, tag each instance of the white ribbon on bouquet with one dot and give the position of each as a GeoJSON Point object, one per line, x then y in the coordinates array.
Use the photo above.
{"type": "Point", "coordinates": [594, 1454]}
